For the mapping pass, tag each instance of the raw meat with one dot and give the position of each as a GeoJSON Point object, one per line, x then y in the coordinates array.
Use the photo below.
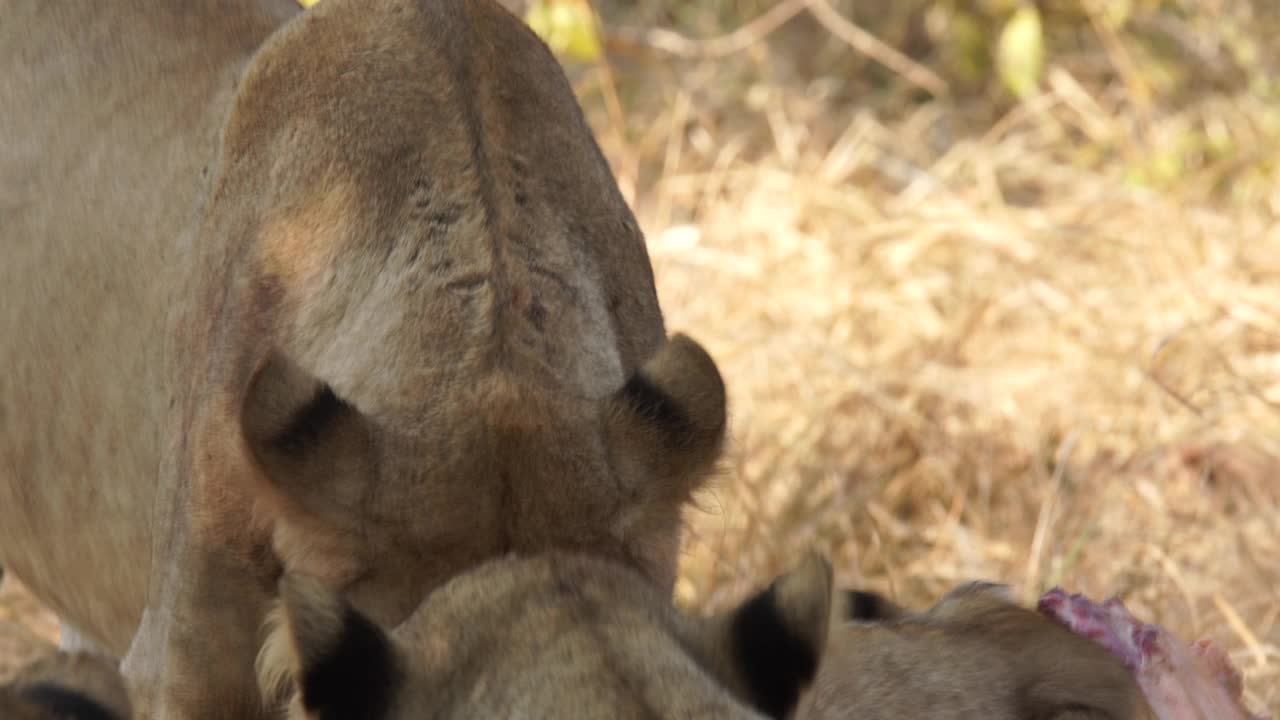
{"type": "Point", "coordinates": [1180, 681]}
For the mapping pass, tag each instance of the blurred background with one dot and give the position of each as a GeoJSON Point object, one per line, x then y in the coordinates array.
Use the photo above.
{"type": "Point", "coordinates": [994, 285]}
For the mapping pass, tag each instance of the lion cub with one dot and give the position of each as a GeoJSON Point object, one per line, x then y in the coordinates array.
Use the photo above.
{"type": "Point", "coordinates": [549, 636]}
{"type": "Point", "coordinates": [975, 654]}
{"type": "Point", "coordinates": [66, 686]}
{"type": "Point", "coordinates": [569, 636]}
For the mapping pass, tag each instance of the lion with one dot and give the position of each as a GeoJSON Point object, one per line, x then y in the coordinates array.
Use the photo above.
{"type": "Point", "coordinates": [553, 635]}
{"type": "Point", "coordinates": [350, 292]}
{"type": "Point", "coordinates": [975, 654]}
{"type": "Point", "coordinates": [67, 686]}
{"type": "Point", "coordinates": [575, 636]}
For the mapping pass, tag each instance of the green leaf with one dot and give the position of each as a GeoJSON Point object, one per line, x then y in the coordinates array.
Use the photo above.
{"type": "Point", "coordinates": [1020, 53]}
{"type": "Point", "coordinates": [567, 26]}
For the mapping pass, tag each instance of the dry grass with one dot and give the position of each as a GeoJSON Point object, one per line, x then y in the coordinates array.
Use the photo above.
{"type": "Point", "coordinates": [962, 348]}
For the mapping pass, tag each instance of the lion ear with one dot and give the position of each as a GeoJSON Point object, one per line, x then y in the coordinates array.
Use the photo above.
{"type": "Point", "coordinates": [312, 458]}
{"type": "Point", "coordinates": [768, 648]}
{"type": "Point", "coordinates": [971, 598]}
{"type": "Point", "coordinates": [290, 416]}
{"type": "Point", "coordinates": [668, 420]}
{"type": "Point", "coordinates": [311, 446]}
{"type": "Point", "coordinates": [866, 606]}
{"type": "Point", "coordinates": [335, 661]}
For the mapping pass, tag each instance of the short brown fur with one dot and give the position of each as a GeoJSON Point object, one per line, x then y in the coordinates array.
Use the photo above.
{"type": "Point", "coordinates": [975, 654]}
{"type": "Point", "coordinates": [554, 636]}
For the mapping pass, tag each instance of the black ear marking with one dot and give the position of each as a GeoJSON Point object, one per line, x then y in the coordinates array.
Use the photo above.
{"type": "Point", "coordinates": [775, 662]}
{"type": "Point", "coordinates": [305, 428]}
{"type": "Point", "coordinates": [864, 606]}
{"type": "Point", "coordinates": [65, 703]}
{"type": "Point", "coordinates": [651, 403]}
{"type": "Point", "coordinates": [357, 678]}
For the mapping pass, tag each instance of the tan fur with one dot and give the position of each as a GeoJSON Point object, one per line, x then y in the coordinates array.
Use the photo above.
{"type": "Point", "coordinates": [277, 655]}
{"type": "Point", "coordinates": [92, 677]}
{"type": "Point", "coordinates": [552, 636]}
{"type": "Point", "coordinates": [302, 244]}
{"type": "Point", "coordinates": [215, 210]}
{"type": "Point", "coordinates": [557, 636]}
{"type": "Point", "coordinates": [975, 654]}
{"type": "Point", "coordinates": [794, 593]}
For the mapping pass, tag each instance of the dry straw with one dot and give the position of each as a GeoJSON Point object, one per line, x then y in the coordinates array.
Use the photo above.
{"type": "Point", "coordinates": [955, 354]}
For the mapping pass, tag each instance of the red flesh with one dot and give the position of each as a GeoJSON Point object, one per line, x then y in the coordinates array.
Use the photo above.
{"type": "Point", "coordinates": [1180, 681]}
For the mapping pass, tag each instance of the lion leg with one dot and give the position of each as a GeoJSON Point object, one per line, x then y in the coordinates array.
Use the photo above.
{"type": "Point", "coordinates": [193, 655]}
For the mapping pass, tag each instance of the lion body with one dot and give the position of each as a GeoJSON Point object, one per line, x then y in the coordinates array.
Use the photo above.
{"type": "Point", "coordinates": [350, 292]}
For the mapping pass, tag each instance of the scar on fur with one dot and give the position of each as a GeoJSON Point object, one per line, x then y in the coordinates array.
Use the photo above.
{"type": "Point", "coordinates": [299, 246]}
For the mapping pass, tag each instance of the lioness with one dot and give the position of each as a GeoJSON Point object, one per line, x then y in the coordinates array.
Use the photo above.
{"type": "Point", "coordinates": [974, 654]}
{"type": "Point", "coordinates": [559, 635]}
{"type": "Point", "coordinates": [66, 686]}
{"type": "Point", "coordinates": [350, 292]}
